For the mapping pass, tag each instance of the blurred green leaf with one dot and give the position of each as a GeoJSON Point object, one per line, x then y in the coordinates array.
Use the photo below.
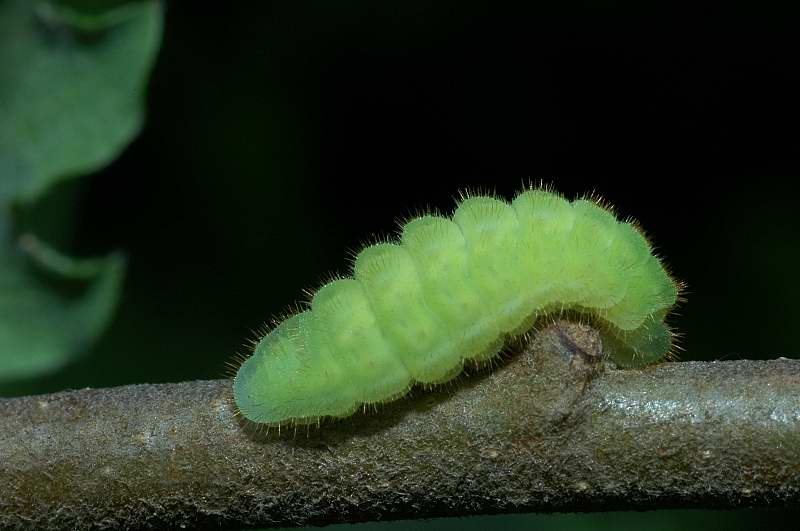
{"type": "Point", "coordinates": [51, 306]}
{"type": "Point", "coordinates": [71, 88]}
{"type": "Point", "coordinates": [72, 82]}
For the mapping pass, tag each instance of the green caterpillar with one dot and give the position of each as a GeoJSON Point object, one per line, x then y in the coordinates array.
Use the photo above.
{"type": "Point", "coordinates": [451, 291]}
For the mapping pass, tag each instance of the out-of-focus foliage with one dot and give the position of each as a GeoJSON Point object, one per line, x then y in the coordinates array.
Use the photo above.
{"type": "Point", "coordinates": [71, 87]}
{"type": "Point", "coordinates": [51, 306]}
{"type": "Point", "coordinates": [71, 98]}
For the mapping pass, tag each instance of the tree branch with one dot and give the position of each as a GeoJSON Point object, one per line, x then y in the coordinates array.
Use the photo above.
{"type": "Point", "coordinates": [553, 429]}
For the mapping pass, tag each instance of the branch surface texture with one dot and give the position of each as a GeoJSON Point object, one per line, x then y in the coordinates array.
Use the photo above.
{"type": "Point", "coordinates": [553, 429]}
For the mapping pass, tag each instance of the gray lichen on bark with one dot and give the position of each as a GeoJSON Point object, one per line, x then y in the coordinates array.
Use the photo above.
{"type": "Point", "coordinates": [555, 428]}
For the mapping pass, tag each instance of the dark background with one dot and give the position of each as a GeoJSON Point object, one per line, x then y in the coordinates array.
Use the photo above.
{"type": "Point", "coordinates": [281, 135]}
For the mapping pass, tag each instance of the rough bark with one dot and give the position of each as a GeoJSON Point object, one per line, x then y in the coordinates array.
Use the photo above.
{"type": "Point", "coordinates": [554, 428]}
